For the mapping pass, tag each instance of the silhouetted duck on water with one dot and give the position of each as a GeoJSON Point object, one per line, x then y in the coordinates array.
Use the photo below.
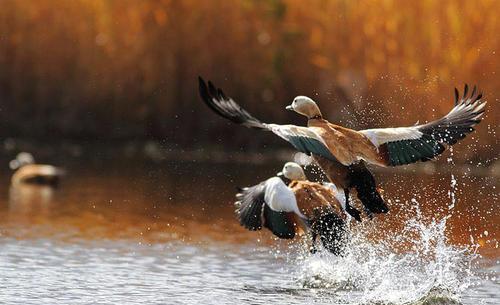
{"type": "Point", "coordinates": [288, 203]}
{"type": "Point", "coordinates": [342, 152]}
{"type": "Point", "coordinates": [26, 171]}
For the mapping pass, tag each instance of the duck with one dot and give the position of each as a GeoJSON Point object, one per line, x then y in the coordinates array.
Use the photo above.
{"type": "Point", "coordinates": [288, 204]}
{"type": "Point", "coordinates": [27, 172]}
{"type": "Point", "coordinates": [344, 154]}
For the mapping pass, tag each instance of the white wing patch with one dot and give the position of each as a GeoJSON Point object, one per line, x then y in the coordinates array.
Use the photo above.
{"type": "Point", "coordinates": [379, 136]}
{"type": "Point", "coordinates": [287, 131]}
{"type": "Point", "coordinates": [279, 197]}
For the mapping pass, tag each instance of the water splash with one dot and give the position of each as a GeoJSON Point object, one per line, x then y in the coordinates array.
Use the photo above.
{"type": "Point", "coordinates": [407, 266]}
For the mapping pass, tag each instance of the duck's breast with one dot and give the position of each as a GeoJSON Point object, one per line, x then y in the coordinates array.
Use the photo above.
{"type": "Point", "coordinates": [314, 199]}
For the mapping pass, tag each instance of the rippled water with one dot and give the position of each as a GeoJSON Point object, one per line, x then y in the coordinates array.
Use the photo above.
{"type": "Point", "coordinates": [166, 234]}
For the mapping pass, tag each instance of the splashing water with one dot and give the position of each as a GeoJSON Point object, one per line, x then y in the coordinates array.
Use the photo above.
{"type": "Point", "coordinates": [414, 265]}
{"type": "Point", "coordinates": [428, 271]}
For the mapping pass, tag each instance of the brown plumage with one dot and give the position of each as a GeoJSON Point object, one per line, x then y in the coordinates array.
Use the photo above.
{"type": "Point", "coordinates": [26, 171]}
{"type": "Point", "coordinates": [315, 199]}
{"type": "Point", "coordinates": [286, 210]}
{"type": "Point", "coordinates": [37, 174]}
{"type": "Point", "coordinates": [324, 212]}
{"type": "Point", "coordinates": [347, 145]}
{"type": "Point", "coordinates": [342, 152]}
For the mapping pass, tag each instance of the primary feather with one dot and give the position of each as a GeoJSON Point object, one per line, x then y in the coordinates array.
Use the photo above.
{"type": "Point", "coordinates": [405, 145]}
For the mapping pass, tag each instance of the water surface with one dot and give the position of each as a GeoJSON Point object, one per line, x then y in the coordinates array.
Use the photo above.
{"type": "Point", "coordinates": [164, 233]}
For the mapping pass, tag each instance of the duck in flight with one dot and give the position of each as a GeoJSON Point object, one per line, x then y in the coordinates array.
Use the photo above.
{"type": "Point", "coordinates": [342, 153]}
{"type": "Point", "coordinates": [26, 171]}
{"type": "Point", "coordinates": [289, 203]}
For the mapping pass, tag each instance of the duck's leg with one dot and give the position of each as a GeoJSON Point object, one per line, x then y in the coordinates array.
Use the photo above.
{"type": "Point", "coordinates": [311, 231]}
{"type": "Point", "coordinates": [349, 208]}
{"type": "Point", "coordinates": [314, 235]}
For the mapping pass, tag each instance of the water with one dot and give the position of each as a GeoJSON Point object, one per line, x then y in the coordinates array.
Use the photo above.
{"type": "Point", "coordinates": [166, 234]}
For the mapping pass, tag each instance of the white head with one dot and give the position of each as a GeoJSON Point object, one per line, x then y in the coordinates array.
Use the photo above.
{"type": "Point", "coordinates": [305, 106]}
{"type": "Point", "coordinates": [293, 171]}
{"type": "Point", "coordinates": [22, 159]}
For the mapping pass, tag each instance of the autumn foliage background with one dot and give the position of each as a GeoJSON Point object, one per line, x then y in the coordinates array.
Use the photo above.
{"type": "Point", "coordinates": [124, 70]}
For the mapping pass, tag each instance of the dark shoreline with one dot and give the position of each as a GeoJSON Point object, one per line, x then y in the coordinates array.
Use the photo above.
{"type": "Point", "coordinates": [156, 152]}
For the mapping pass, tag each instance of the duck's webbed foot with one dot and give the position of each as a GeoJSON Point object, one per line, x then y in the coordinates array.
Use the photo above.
{"type": "Point", "coordinates": [350, 209]}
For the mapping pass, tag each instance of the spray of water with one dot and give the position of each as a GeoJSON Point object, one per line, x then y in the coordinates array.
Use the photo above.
{"type": "Point", "coordinates": [375, 272]}
{"type": "Point", "coordinates": [415, 265]}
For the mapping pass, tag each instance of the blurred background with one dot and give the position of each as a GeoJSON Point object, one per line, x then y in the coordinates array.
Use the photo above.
{"type": "Point", "coordinates": [104, 71]}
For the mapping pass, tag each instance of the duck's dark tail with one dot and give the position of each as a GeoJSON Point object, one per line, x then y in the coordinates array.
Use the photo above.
{"type": "Point", "coordinates": [363, 181]}
{"type": "Point", "coordinates": [332, 232]}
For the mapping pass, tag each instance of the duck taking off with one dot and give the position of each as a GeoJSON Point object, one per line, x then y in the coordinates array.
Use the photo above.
{"type": "Point", "coordinates": [342, 152]}
{"type": "Point", "coordinates": [288, 202]}
{"type": "Point", "coordinates": [26, 171]}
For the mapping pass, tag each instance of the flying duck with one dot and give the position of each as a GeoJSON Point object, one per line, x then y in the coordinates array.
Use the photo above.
{"type": "Point", "coordinates": [26, 171]}
{"type": "Point", "coordinates": [289, 202]}
{"type": "Point", "coordinates": [342, 153]}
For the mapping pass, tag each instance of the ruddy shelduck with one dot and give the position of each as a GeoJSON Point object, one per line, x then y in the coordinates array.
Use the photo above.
{"type": "Point", "coordinates": [26, 171]}
{"type": "Point", "coordinates": [342, 152]}
{"type": "Point", "coordinates": [289, 203]}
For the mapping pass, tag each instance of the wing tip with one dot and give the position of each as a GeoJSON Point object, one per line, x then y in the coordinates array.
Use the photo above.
{"type": "Point", "coordinates": [466, 98]}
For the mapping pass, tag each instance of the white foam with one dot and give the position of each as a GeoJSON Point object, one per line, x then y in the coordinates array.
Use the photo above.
{"type": "Point", "coordinates": [375, 272]}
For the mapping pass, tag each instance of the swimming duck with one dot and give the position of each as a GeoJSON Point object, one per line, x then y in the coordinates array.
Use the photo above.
{"type": "Point", "coordinates": [342, 153]}
{"type": "Point", "coordinates": [26, 171]}
{"type": "Point", "coordinates": [289, 202]}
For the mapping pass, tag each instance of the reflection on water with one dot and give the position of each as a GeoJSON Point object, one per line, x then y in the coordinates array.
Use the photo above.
{"type": "Point", "coordinates": [159, 233]}
{"type": "Point", "coordinates": [29, 199]}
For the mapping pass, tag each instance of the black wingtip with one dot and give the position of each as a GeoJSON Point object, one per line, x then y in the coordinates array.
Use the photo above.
{"type": "Point", "coordinates": [212, 89]}
{"type": "Point", "coordinates": [473, 91]}
{"type": "Point", "coordinates": [201, 84]}
{"type": "Point", "coordinates": [468, 97]}
{"type": "Point", "coordinates": [221, 94]}
{"type": "Point", "coordinates": [203, 90]}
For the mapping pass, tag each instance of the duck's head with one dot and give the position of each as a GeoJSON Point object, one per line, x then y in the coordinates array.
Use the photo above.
{"type": "Point", "coordinates": [21, 160]}
{"type": "Point", "coordinates": [293, 171]}
{"type": "Point", "coordinates": [305, 106]}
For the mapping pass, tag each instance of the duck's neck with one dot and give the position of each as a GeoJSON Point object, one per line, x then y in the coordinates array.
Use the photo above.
{"type": "Point", "coordinates": [316, 121]}
{"type": "Point", "coordinates": [316, 117]}
{"type": "Point", "coordinates": [285, 180]}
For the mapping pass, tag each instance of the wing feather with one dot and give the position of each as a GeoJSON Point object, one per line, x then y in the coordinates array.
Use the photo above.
{"type": "Point", "coordinates": [267, 204]}
{"type": "Point", "coordinates": [405, 145]}
{"type": "Point", "coordinates": [280, 223]}
{"type": "Point", "coordinates": [301, 138]}
{"type": "Point", "coordinates": [250, 205]}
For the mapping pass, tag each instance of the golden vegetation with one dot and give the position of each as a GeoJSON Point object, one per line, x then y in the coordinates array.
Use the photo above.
{"type": "Point", "coordinates": [123, 68]}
